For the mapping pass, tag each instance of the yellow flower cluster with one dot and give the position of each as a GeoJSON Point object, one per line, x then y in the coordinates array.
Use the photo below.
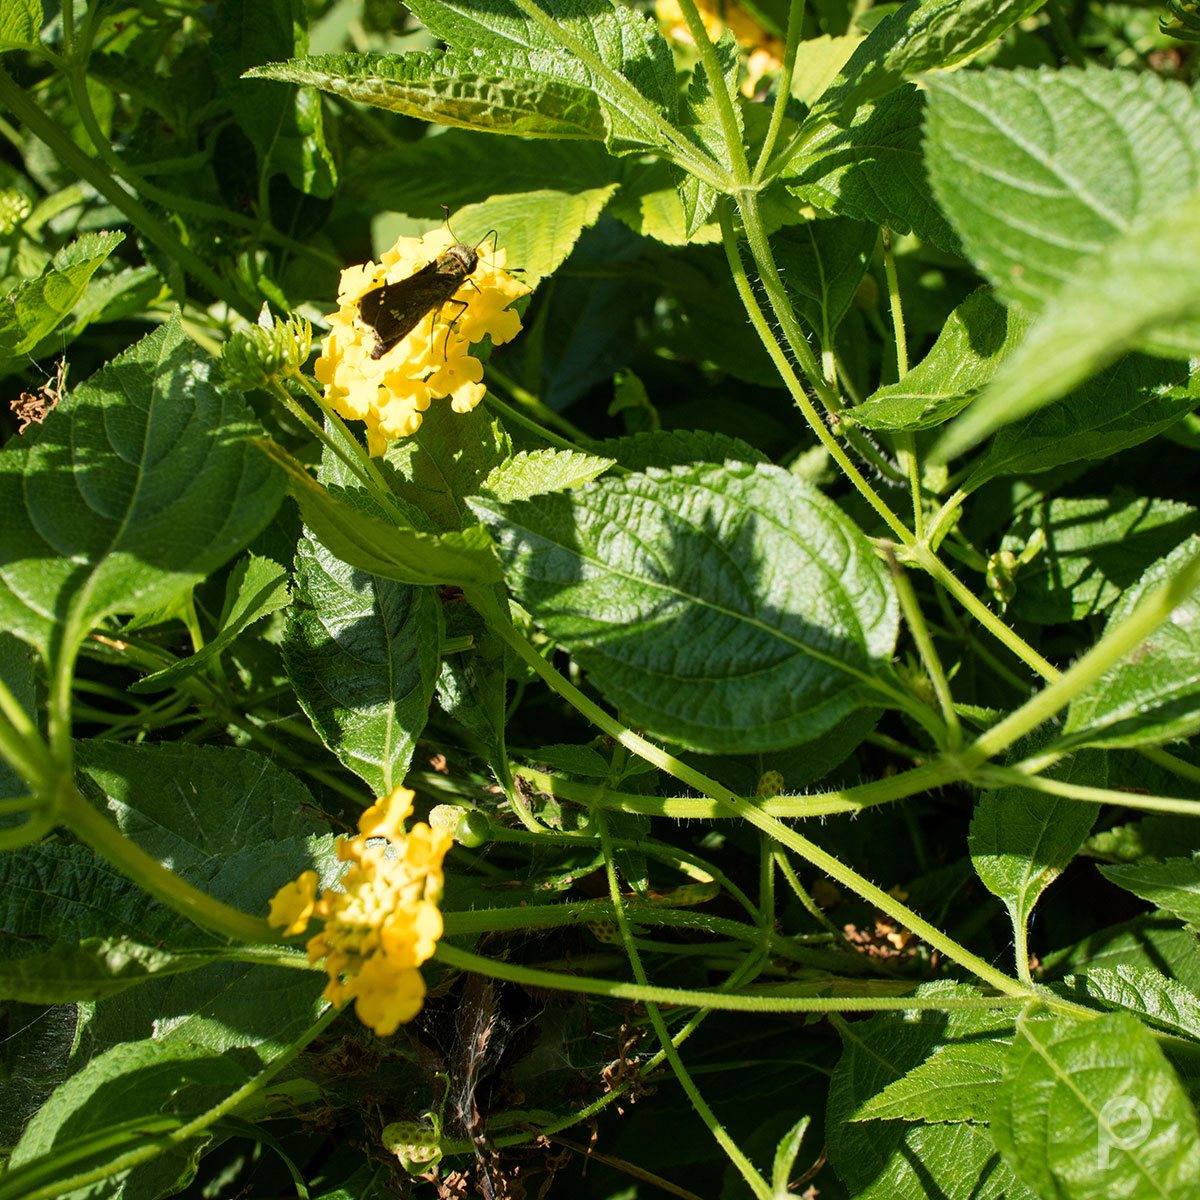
{"type": "Point", "coordinates": [431, 361]}
{"type": "Point", "coordinates": [382, 921]}
{"type": "Point", "coordinates": [764, 50]}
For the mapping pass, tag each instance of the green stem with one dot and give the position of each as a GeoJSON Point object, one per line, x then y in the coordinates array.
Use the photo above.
{"type": "Point", "coordinates": [731, 134]}
{"type": "Point", "coordinates": [783, 87]}
{"type": "Point", "coordinates": [925, 647]}
{"type": "Point", "coordinates": [131, 860]}
{"type": "Point", "coordinates": [759, 321]}
{"type": "Point", "coordinates": [854, 799]}
{"type": "Point", "coordinates": [998, 777]}
{"type": "Point", "coordinates": [74, 159]}
{"type": "Point", "coordinates": [464, 960]}
{"type": "Point", "coordinates": [905, 442]}
{"type": "Point", "coordinates": [749, 812]}
{"type": "Point", "coordinates": [573, 437]}
{"type": "Point", "coordinates": [757, 1184]}
{"type": "Point", "coordinates": [1105, 654]}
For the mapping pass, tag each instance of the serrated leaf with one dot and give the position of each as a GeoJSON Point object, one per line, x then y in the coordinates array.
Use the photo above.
{"type": "Point", "coordinates": [899, 1160]}
{"type": "Point", "coordinates": [472, 684]}
{"type": "Point", "coordinates": [142, 483]}
{"type": "Point", "coordinates": [1022, 840]}
{"type": "Point", "coordinates": [1164, 1002]}
{"type": "Point", "coordinates": [1116, 303]}
{"type": "Point", "coordinates": [1095, 548]}
{"type": "Point", "coordinates": [20, 23]}
{"type": "Point", "coordinates": [1172, 885]}
{"type": "Point", "coordinates": [363, 654]}
{"type": "Point", "coordinates": [1092, 1109]}
{"type": "Point", "coordinates": [1123, 406]}
{"type": "Point", "coordinates": [973, 343]}
{"type": "Point", "coordinates": [626, 42]}
{"type": "Point", "coordinates": [956, 1083]}
{"type": "Point", "coordinates": [256, 588]}
{"type": "Point", "coordinates": [445, 461]}
{"type": "Point", "coordinates": [36, 306]}
{"type": "Point", "coordinates": [500, 94]}
{"type": "Point", "coordinates": [873, 170]}
{"type": "Point", "coordinates": [1152, 695]}
{"type": "Point", "coordinates": [678, 447]}
{"type": "Point", "coordinates": [726, 609]}
{"type": "Point", "coordinates": [92, 970]}
{"type": "Point", "coordinates": [1040, 171]}
{"type": "Point", "coordinates": [533, 472]}
{"type": "Point", "coordinates": [916, 37]}
{"type": "Point", "coordinates": [195, 806]}
{"type": "Point", "coordinates": [455, 169]}
{"type": "Point", "coordinates": [785, 1156]}
{"type": "Point", "coordinates": [822, 263]}
{"type": "Point", "coordinates": [701, 123]}
{"type": "Point", "coordinates": [381, 548]}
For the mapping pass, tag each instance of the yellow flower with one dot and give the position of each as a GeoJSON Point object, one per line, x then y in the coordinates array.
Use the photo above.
{"type": "Point", "coordinates": [766, 50]}
{"type": "Point", "coordinates": [391, 392]}
{"type": "Point", "coordinates": [381, 921]}
{"type": "Point", "coordinates": [292, 905]}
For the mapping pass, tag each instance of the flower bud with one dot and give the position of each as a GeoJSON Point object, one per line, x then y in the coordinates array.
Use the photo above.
{"type": "Point", "coordinates": [253, 357]}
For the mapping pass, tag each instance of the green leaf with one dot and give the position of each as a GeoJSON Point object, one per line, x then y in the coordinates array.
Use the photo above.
{"type": "Point", "coordinates": [195, 807]}
{"type": "Point", "coordinates": [134, 1097]}
{"type": "Point", "coordinates": [701, 123]}
{"type": "Point", "coordinates": [538, 229]}
{"type": "Point", "coordinates": [1095, 548]}
{"type": "Point", "coordinates": [1092, 1109]}
{"type": "Point", "coordinates": [823, 262]}
{"type": "Point", "coordinates": [16, 674]}
{"type": "Point", "coordinates": [726, 609]}
{"type": "Point", "coordinates": [916, 37]}
{"type": "Point", "coordinates": [622, 40]}
{"type": "Point", "coordinates": [32, 311]}
{"type": "Point", "coordinates": [1153, 695]}
{"type": "Point", "coordinates": [20, 23]}
{"type": "Point", "coordinates": [977, 337]}
{"type": "Point", "coordinates": [1150, 940]}
{"type": "Point", "coordinates": [785, 1156]}
{"type": "Point", "coordinates": [898, 1160]}
{"type": "Point", "coordinates": [534, 472]}
{"type": "Point", "coordinates": [1172, 885]}
{"type": "Point", "coordinates": [139, 486]}
{"type": "Point", "coordinates": [956, 1083]}
{"type": "Point", "coordinates": [1115, 303]}
{"type": "Point", "coordinates": [286, 128]}
{"type": "Point", "coordinates": [1022, 840]}
{"type": "Point", "coordinates": [381, 548]}
{"type": "Point", "coordinates": [1121, 407]}
{"type": "Point", "coordinates": [678, 447]}
{"type": "Point", "coordinates": [92, 970]}
{"type": "Point", "coordinates": [53, 891]}
{"type": "Point", "coordinates": [363, 654]}
{"type": "Point", "coordinates": [503, 93]}
{"type": "Point", "coordinates": [1040, 171]}
{"type": "Point", "coordinates": [458, 168]}
{"type": "Point", "coordinates": [1163, 1001]}
{"type": "Point", "coordinates": [445, 461]}
{"type": "Point", "coordinates": [873, 170]}
{"type": "Point", "coordinates": [472, 684]}
{"type": "Point", "coordinates": [256, 587]}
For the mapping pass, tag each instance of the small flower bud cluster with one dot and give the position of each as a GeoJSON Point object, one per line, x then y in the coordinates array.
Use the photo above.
{"type": "Point", "coordinates": [14, 208]}
{"type": "Point", "coordinates": [253, 357]}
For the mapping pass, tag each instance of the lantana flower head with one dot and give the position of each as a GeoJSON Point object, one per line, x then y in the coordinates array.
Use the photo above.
{"type": "Point", "coordinates": [389, 393]}
{"type": "Point", "coordinates": [381, 921]}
